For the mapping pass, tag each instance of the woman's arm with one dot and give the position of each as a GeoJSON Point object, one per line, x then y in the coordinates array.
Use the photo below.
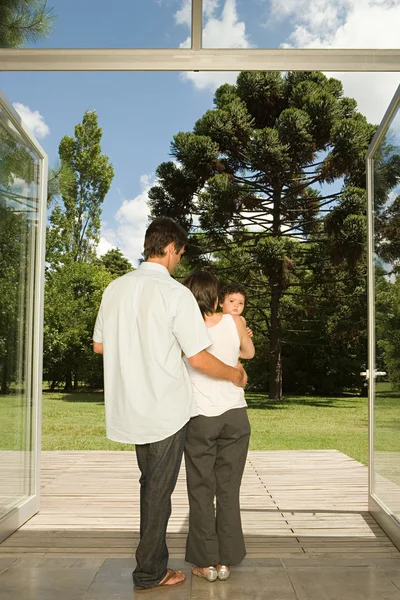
{"type": "Point", "coordinates": [247, 349]}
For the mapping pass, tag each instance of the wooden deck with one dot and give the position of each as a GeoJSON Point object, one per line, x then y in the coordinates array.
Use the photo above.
{"type": "Point", "coordinates": [294, 504]}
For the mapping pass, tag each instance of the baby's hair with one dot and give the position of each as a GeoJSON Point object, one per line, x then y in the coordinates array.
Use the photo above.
{"type": "Point", "coordinates": [233, 288]}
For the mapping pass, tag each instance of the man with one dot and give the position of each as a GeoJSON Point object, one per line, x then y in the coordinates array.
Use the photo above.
{"type": "Point", "coordinates": [145, 321]}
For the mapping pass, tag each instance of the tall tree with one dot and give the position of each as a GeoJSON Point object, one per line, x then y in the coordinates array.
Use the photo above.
{"type": "Point", "coordinates": [75, 278]}
{"type": "Point", "coordinates": [24, 21]}
{"type": "Point", "coordinates": [257, 173]}
{"type": "Point", "coordinates": [74, 228]}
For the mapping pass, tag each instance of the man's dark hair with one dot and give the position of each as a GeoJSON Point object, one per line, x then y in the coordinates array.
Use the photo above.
{"type": "Point", "coordinates": [205, 288]}
{"type": "Point", "coordinates": [161, 232]}
{"type": "Point", "coordinates": [233, 288]}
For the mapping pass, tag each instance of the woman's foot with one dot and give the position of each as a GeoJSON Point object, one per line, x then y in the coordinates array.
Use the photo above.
{"type": "Point", "coordinates": [223, 572]}
{"type": "Point", "coordinates": [209, 573]}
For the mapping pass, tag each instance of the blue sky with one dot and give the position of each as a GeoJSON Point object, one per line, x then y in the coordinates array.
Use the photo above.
{"type": "Point", "coordinates": [140, 112]}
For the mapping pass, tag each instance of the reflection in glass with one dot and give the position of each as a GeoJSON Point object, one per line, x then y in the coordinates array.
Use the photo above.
{"type": "Point", "coordinates": [386, 476]}
{"type": "Point", "coordinates": [19, 189]}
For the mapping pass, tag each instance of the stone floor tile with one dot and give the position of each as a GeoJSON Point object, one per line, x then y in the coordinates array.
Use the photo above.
{"type": "Point", "coordinates": [114, 582]}
{"type": "Point", "coordinates": [62, 562]}
{"type": "Point", "coordinates": [45, 584]}
{"type": "Point", "coordinates": [342, 583]}
{"type": "Point", "coordinates": [255, 583]}
{"type": "Point", "coordinates": [5, 563]}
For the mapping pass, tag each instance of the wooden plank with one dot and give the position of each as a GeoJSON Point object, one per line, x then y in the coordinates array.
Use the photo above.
{"type": "Point", "coordinates": [308, 503]}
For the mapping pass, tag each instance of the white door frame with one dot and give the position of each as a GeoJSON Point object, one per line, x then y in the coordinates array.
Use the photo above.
{"type": "Point", "coordinates": [380, 513]}
{"type": "Point", "coordinates": [30, 506]}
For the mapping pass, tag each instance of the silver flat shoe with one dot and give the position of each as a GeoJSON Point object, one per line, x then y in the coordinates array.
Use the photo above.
{"type": "Point", "coordinates": [223, 573]}
{"type": "Point", "coordinates": [211, 574]}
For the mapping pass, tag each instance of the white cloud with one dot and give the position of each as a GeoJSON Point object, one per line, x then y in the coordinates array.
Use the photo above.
{"type": "Point", "coordinates": [346, 24]}
{"type": "Point", "coordinates": [132, 220]}
{"type": "Point", "coordinates": [104, 246]}
{"type": "Point", "coordinates": [339, 23]}
{"type": "Point", "coordinates": [33, 120]}
{"type": "Point", "coordinates": [223, 31]}
{"type": "Point", "coordinates": [373, 92]}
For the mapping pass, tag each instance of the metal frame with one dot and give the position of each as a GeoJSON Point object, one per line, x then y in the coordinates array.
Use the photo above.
{"type": "Point", "coordinates": [197, 58]}
{"type": "Point", "coordinates": [378, 510]}
{"type": "Point", "coordinates": [30, 505]}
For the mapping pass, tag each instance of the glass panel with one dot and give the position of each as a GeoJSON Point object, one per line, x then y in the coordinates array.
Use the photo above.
{"type": "Point", "coordinates": [105, 24]}
{"type": "Point", "coordinates": [19, 199]}
{"type": "Point", "coordinates": [386, 476]}
{"type": "Point", "coordinates": [300, 24]}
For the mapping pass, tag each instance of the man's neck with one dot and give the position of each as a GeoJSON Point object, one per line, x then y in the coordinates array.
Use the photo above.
{"type": "Point", "coordinates": [159, 261]}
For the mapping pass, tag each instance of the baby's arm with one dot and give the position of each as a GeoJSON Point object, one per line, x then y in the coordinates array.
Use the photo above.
{"type": "Point", "coordinates": [246, 345]}
{"type": "Point", "coordinates": [248, 330]}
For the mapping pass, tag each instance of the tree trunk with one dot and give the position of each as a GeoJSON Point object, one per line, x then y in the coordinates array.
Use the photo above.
{"type": "Point", "coordinates": [276, 283]}
{"type": "Point", "coordinates": [275, 345]}
{"type": "Point", "coordinates": [76, 382]}
{"type": "Point", "coordinates": [68, 381]}
{"type": "Point", "coordinates": [4, 376]}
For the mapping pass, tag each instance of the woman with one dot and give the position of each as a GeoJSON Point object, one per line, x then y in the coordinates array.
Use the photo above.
{"type": "Point", "coordinates": [217, 443]}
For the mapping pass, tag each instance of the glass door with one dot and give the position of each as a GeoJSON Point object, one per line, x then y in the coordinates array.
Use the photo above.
{"type": "Point", "coordinates": [383, 179]}
{"type": "Point", "coordinates": [23, 185]}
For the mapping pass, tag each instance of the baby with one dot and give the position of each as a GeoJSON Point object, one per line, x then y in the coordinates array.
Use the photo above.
{"type": "Point", "coordinates": [232, 300]}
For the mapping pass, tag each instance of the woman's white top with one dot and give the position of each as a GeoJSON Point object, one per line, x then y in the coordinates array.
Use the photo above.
{"type": "Point", "coordinates": [215, 396]}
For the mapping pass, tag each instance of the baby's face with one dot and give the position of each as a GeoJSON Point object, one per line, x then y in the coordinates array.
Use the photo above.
{"type": "Point", "coordinates": [233, 304]}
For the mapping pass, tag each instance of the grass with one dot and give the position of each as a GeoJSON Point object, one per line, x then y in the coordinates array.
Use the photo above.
{"type": "Point", "coordinates": [76, 422]}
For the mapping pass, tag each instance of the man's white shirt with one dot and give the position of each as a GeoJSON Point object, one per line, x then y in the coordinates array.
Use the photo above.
{"type": "Point", "coordinates": [146, 319]}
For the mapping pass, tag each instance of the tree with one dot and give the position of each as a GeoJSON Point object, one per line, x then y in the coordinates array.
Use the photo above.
{"type": "Point", "coordinates": [23, 22]}
{"type": "Point", "coordinates": [74, 227]}
{"type": "Point", "coordinates": [75, 278]}
{"type": "Point", "coordinates": [116, 263]}
{"type": "Point", "coordinates": [257, 173]}
{"type": "Point", "coordinates": [72, 298]}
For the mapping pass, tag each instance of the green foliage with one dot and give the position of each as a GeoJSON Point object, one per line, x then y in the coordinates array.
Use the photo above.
{"type": "Point", "coordinates": [116, 263]}
{"type": "Point", "coordinates": [23, 22]}
{"type": "Point", "coordinates": [72, 298]}
{"type": "Point", "coordinates": [14, 232]}
{"type": "Point", "coordinates": [388, 325]}
{"type": "Point", "coordinates": [251, 168]}
{"type": "Point", "coordinates": [85, 179]}
{"type": "Point", "coordinates": [75, 278]}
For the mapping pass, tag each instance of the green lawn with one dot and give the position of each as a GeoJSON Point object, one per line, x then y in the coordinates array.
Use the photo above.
{"type": "Point", "coordinates": [76, 422]}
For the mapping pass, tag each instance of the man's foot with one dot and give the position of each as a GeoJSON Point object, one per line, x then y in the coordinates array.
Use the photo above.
{"type": "Point", "coordinates": [172, 578]}
{"type": "Point", "coordinates": [209, 573]}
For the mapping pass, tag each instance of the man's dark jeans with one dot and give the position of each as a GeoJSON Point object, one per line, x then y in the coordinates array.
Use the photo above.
{"type": "Point", "coordinates": [159, 464]}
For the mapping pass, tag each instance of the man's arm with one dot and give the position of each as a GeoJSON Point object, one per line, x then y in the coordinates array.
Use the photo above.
{"type": "Point", "coordinates": [97, 347]}
{"type": "Point", "coordinates": [213, 367]}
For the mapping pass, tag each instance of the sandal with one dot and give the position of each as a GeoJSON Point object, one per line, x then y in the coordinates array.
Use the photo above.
{"type": "Point", "coordinates": [163, 583]}
{"type": "Point", "coordinates": [211, 574]}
